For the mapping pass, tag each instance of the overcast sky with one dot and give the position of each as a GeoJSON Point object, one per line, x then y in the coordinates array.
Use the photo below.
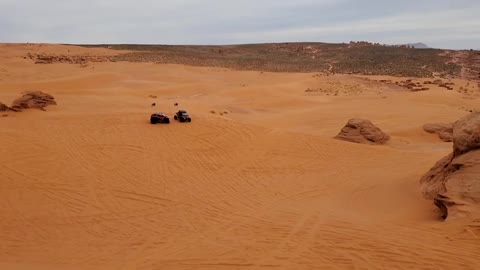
{"type": "Point", "coordinates": [438, 23]}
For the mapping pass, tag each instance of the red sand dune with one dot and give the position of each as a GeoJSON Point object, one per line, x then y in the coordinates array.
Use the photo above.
{"type": "Point", "coordinates": [90, 184]}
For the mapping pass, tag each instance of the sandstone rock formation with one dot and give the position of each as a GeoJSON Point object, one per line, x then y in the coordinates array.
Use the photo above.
{"type": "Point", "coordinates": [444, 131]}
{"type": "Point", "coordinates": [3, 107]}
{"type": "Point", "coordinates": [445, 136]}
{"type": "Point", "coordinates": [33, 99]}
{"type": "Point", "coordinates": [362, 131]}
{"type": "Point", "coordinates": [454, 182]}
{"type": "Point", "coordinates": [466, 134]}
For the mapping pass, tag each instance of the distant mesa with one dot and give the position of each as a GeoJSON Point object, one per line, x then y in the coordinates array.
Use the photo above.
{"type": "Point", "coordinates": [418, 45]}
{"type": "Point", "coordinates": [453, 183]}
{"type": "Point", "coordinates": [362, 131]}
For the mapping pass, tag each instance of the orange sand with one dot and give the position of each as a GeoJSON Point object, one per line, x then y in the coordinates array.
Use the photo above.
{"type": "Point", "coordinates": [90, 184]}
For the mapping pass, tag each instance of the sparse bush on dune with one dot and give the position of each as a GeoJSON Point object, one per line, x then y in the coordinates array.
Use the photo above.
{"type": "Point", "coordinates": [69, 59]}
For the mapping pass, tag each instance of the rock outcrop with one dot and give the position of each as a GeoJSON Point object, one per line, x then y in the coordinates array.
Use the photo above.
{"type": "Point", "coordinates": [454, 182]}
{"type": "Point", "coordinates": [412, 86]}
{"type": "Point", "coordinates": [3, 107]}
{"type": "Point", "coordinates": [68, 59]}
{"type": "Point", "coordinates": [33, 99]}
{"type": "Point", "coordinates": [466, 134]}
{"type": "Point", "coordinates": [362, 131]}
{"type": "Point", "coordinates": [440, 83]}
{"type": "Point", "coordinates": [444, 131]}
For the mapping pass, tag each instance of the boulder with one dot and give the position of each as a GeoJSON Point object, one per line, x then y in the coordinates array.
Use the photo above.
{"type": "Point", "coordinates": [362, 131]}
{"type": "Point", "coordinates": [33, 99]}
{"type": "Point", "coordinates": [453, 183]}
{"type": "Point", "coordinates": [466, 134]}
{"type": "Point", "coordinates": [444, 131]}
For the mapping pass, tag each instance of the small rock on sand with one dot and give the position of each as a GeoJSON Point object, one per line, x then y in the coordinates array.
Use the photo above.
{"type": "Point", "coordinates": [362, 131]}
{"type": "Point", "coordinates": [3, 107]}
{"type": "Point", "coordinates": [33, 99]}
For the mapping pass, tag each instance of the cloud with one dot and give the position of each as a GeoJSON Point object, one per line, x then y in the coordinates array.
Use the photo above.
{"type": "Point", "coordinates": [443, 23]}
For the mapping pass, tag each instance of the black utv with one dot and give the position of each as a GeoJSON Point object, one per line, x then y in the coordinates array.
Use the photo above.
{"type": "Point", "coordinates": [182, 116]}
{"type": "Point", "coordinates": [159, 118]}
